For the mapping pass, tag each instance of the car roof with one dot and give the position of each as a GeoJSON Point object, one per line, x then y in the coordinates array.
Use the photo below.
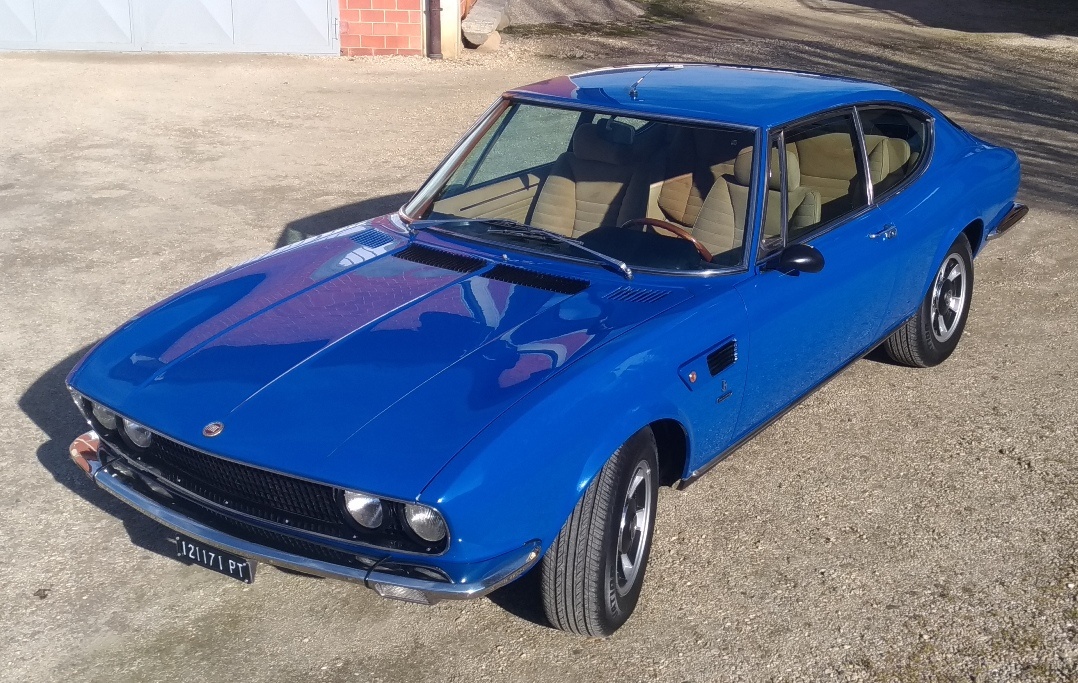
{"type": "Point", "coordinates": [740, 95]}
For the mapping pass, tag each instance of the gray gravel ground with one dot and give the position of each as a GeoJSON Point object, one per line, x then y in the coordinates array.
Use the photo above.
{"type": "Point", "coordinates": [569, 11]}
{"type": "Point", "coordinates": [899, 526]}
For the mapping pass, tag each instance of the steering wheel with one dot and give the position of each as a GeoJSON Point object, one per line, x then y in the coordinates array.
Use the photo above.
{"type": "Point", "coordinates": [677, 230]}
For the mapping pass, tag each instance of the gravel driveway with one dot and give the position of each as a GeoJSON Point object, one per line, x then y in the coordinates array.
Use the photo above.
{"type": "Point", "coordinates": [900, 525]}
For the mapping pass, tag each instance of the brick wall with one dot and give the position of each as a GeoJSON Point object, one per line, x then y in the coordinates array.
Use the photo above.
{"type": "Point", "coordinates": [381, 27]}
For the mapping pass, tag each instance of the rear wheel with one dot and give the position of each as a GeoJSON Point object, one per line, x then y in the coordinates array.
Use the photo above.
{"type": "Point", "coordinates": [592, 575]}
{"type": "Point", "coordinates": [932, 334]}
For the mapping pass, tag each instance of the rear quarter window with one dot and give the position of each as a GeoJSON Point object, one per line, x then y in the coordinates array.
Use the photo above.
{"type": "Point", "coordinates": [896, 142]}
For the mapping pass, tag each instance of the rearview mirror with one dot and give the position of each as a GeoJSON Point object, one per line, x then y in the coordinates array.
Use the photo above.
{"type": "Point", "coordinates": [801, 258]}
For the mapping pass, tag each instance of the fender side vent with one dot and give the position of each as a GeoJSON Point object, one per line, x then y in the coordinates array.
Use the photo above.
{"type": "Point", "coordinates": [530, 278]}
{"type": "Point", "coordinates": [636, 295]}
{"type": "Point", "coordinates": [722, 357]}
{"type": "Point", "coordinates": [418, 253]}
{"type": "Point", "coordinates": [370, 238]}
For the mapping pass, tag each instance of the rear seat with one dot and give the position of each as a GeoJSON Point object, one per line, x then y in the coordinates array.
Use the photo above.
{"type": "Point", "coordinates": [828, 166]}
{"type": "Point", "coordinates": [889, 160]}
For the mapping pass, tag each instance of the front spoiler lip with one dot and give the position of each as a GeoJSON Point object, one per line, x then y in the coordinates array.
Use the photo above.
{"type": "Point", "coordinates": [512, 566]}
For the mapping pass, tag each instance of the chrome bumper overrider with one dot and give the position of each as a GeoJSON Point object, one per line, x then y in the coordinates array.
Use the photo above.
{"type": "Point", "coordinates": [1018, 212]}
{"type": "Point", "coordinates": [507, 568]}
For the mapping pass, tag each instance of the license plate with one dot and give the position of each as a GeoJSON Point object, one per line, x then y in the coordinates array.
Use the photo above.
{"type": "Point", "coordinates": [196, 552]}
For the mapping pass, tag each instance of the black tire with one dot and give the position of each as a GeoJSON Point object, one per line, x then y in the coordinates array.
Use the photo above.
{"type": "Point", "coordinates": [583, 588]}
{"type": "Point", "coordinates": [929, 338]}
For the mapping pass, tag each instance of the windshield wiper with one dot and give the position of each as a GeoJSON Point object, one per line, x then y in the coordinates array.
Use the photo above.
{"type": "Point", "coordinates": [505, 226]}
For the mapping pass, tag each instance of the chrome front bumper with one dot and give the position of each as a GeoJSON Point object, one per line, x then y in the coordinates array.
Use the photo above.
{"type": "Point", "coordinates": [84, 452]}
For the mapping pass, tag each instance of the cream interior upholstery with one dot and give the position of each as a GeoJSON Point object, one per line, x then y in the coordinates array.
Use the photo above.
{"type": "Point", "coordinates": [597, 183]}
{"type": "Point", "coordinates": [510, 198]}
{"type": "Point", "coordinates": [829, 166]}
{"type": "Point", "coordinates": [721, 221]}
{"type": "Point", "coordinates": [696, 159]}
{"type": "Point", "coordinates": [889, 160]}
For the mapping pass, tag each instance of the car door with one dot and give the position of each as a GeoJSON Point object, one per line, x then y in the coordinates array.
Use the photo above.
{"type": "Point", "coordinates": [805, 326]}
{"type": "Point", "coordinates": [898, 146]}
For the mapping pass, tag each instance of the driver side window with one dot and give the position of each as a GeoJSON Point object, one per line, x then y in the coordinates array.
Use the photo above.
{"type": "Point", "coordinates": [823, 181]}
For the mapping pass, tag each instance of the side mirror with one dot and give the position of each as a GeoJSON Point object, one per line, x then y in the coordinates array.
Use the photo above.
{"type": "Point", "coordinates": [801, 258]}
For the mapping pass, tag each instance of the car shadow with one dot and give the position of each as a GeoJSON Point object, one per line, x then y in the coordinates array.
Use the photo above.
{"type": "Point", "coordinates": [1031, 17]}
{"type": "Point", "coordinates": [331, 219]}
{"type": "Point", "coordinates": [47, 403]}
{"type": "Point", "coordinates": [523, 598]}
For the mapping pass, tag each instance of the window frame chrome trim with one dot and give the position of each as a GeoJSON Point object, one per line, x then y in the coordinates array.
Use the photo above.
{"type": "Point", "coordinates": [834, 223]}
{"type": "Point", "coordinates": [927, 154]}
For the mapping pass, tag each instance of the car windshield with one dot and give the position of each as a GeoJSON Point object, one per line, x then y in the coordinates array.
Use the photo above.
{"type": "Point", "coordinates": [627, 192]}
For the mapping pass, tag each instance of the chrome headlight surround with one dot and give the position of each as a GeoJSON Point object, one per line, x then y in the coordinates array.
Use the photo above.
{"type": "Point", "coordinates": [395, 524]}
{"type": "Point", "coordinates": [137, 434]}
{"type": "Point", "coordinates": [425, 522]}
{"type": "Point", "coordinates": [107, 422]}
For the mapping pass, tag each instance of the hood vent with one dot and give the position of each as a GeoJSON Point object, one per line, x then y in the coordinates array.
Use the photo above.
{"type": "Point", "coordinates": [530, 278]}
{"type": "Point", "coordinates": [370, 238]}
{"type": "Point", "coordinates": [418, 253]}
{"type": "Point", "coordinates": [636, 295]}
{"type": "Point", "coordinates": [722, 357]}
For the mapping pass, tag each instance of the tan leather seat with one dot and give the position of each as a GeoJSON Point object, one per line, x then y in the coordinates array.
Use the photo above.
{"type": "Point", "coordinates": [721, 223]}
{"type": "Point", "coordinates": [889, 161]}
{"type": "Point", "coordinates": [597, 183]}
{"type": "Point", "coordinates": [695, 160]}
{"type": "Point", "coordinates": [829, 165]}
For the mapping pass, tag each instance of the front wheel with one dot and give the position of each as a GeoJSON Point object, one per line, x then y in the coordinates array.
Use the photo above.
{"type": "Point", "coordinates": [592, 575]}
{"type": "Point", "coordinates": [932, 334]}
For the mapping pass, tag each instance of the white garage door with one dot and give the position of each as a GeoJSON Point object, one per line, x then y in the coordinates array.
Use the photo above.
{"type": "Point", "coordinates": [294, 26]}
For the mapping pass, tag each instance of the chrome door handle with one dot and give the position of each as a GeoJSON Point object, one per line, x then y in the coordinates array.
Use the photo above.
{"type": "Point", "coordinates": [889, 232]}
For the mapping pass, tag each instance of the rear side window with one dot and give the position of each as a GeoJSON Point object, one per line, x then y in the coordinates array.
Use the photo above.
{"type": "Point", "coordinates": [896, 142]}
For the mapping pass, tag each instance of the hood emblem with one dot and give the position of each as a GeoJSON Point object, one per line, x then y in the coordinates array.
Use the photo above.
{"type": "Point", "coordinates": [213, 429]}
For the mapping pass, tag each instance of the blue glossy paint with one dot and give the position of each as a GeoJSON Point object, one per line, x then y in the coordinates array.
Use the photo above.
{"type": "Point", "coordinates": [759, 98]}
{"type": "Point", "coordinates": [337, 361]}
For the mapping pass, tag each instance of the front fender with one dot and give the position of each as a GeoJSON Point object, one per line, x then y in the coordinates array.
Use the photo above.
{"type": "Point", "coordinates": [521, 477]}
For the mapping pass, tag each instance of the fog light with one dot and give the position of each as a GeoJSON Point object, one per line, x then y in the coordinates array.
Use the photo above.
{"type": "Point", "coordinates": [400, 593]}
{"type": "Point", "coordinates": [108, 419]}
{"type": "Point", "coordinates": [425, 521]}
{"type": "Point", "coordinates": [365, 509]}
{"type": "Point", "coordinates": [139, 435]}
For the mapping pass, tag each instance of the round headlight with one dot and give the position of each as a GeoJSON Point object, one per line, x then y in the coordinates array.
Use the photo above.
{"type": "Point", "coordinates": [108, 419]}
{"type": "Point", "coordinates": [139, 435]}
{"type": "Point", "coordinates": [426, 522]}
{"type": "Point", "coordinates": [367, 510]}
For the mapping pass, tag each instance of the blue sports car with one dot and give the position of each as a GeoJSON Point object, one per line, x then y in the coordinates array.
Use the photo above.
{"type": "Point", "coordinates": [612, 281]}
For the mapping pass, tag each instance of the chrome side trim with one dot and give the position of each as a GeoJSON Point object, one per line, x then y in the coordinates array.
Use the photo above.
{"type": "Point", "coordinates": [514, 566]}
{"type": "Point", "coordinates": [1017, 213]}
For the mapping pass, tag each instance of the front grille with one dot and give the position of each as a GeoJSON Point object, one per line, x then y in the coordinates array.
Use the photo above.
{"type": "Point", "coordinates": [289, 544]}
{"type": "Point", "coordinates": [277, 498]}
{"type": "Point", "coordinates": [256, 492]}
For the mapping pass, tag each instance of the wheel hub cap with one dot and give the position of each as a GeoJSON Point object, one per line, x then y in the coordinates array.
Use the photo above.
{"type": "Point", "coordinates": [949, 297]}
{"type": "Point", "coordinates": [634, 527]}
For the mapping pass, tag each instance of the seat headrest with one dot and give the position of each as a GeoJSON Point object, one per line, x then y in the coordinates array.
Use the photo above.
{"type": "Point", "coordinates": [743, 169]}
{"type": "Point", "coordinates": [590, 144]}
{"type": "Point", "coordinates": [888, 156]}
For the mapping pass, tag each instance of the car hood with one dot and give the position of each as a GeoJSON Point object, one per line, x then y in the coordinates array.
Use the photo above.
{"type": "Point", "coordinates": [344, 360]}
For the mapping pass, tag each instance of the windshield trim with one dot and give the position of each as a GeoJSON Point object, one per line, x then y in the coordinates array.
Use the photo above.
{"type": "Point", "coordinates": [503, 248]}
{"type": "Point", "coordinates": [427, 193]}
